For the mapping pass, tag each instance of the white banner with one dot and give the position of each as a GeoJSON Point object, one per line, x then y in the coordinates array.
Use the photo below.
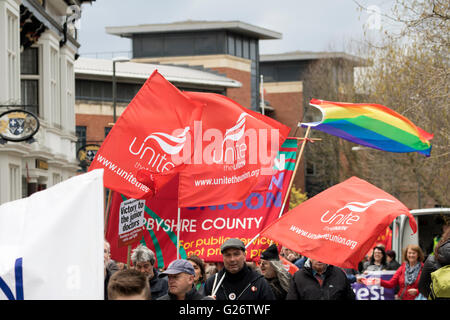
{"type": "Point", "coordinates": [51, 243]}
{"type": "Point", "coordinates": [131, 215]}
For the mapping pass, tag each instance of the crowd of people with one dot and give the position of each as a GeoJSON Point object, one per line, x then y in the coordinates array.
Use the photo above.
{"type": "Point", "coordinates": [236, 279]}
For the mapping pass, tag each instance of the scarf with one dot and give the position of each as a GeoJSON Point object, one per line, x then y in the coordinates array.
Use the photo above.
{"type": "Point", "coordinates": [411, 273]}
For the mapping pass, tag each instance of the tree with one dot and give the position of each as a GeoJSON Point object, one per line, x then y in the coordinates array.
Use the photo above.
{"type": "Point", "coordinates": [331, 160]}
{"type": "Point", "coordinates": [296, 197]}
{"type": "Point", "coordinates": [408, 72]}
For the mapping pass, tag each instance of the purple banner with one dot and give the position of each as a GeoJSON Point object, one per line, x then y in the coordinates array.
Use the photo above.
{"type": "Point", "coordinates": [374, 292]}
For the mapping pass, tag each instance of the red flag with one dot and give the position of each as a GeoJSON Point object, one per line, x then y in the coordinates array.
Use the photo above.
{"type": "Point", "coordinates": [232, 145]}
{"type": "Point", "coordinates": [148, 136]}
{"type": "Point", "coordinates": [204, 229]}
{"type": "Point", "coordinates": [340, 224]}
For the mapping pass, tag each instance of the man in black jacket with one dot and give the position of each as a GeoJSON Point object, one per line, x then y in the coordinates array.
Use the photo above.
{"type": "Point", "coordinates": [236, 281]}
{"type": "Point", "coordinates": [143, 260]}
{"type": "Point", "coordinates": [319, 281]}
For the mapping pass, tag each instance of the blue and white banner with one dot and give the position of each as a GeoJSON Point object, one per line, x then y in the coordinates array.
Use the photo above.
{"type": "Point", "coordinates": [51, 243]}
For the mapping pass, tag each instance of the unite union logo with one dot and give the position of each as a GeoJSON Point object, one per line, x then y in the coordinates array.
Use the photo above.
{"type": "Point", "coordinates": [168, 144]}
{"type": "Point", "coordinates": [235, 152]}
{"type": "Point", "coordinates": [341, 221]}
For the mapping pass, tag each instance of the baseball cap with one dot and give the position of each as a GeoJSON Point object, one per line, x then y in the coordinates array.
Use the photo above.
{"type": "Point", "coordinates": [178, 266]}
{"type": "Point", "coordinates": [232, 243]}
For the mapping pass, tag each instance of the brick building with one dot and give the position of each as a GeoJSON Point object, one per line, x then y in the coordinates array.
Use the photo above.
{"type": "Point", "coordinates": [94, 106]}
{"type": "Point", "coordinates": [229, 47]}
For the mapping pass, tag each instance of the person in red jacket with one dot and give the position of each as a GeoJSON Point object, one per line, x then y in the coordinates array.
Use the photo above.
{"type": "Point", "coordinates": [408, 275]}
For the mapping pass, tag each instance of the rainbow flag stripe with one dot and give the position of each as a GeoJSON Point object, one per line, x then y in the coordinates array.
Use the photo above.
{"type": "Point", "coordinates": [371, 125]}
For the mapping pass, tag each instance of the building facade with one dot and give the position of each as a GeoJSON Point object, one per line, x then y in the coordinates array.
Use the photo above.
{"type": "Point", "coordinates": [38, 49]}
{"type": "Point", "coordinates": [229, 47]}
{"type": "Point", "coordinates": [94, 105]}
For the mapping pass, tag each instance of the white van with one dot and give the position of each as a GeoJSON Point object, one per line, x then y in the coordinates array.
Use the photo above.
{"type": "Point", "coordinates": [427, 229]}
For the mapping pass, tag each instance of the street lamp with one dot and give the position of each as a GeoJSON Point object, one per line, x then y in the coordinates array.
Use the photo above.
{"type": "Point", "coordinates": [114, 61]}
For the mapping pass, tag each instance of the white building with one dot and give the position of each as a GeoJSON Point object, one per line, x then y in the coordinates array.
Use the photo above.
{"type": "Point", "coordinates": [38, 48]}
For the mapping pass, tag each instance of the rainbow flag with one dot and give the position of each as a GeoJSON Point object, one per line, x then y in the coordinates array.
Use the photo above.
{"type": "Point", "coordinates": [371, 125]}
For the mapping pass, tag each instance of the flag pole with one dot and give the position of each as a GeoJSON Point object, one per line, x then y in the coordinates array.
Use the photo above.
{"type": "Point", "coordinates": [305, 139]}
{"type": "Point", "coordinates": [302, 148]}
{"type": "Point", "coordinates": [128, 256]}
{"type": "Point", "coordinates": [178, 233]}
{"type": "Point", "coordinates": [108, 204]}
{"type": "Point", "coordinates": [262, 103]}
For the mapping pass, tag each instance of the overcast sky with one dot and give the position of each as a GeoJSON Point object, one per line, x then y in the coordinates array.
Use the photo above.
{"type": "Point", "coordinates": [306, 25]}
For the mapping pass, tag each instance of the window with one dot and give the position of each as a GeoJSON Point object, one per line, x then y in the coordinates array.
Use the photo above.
{"type": "Point", "coordinates": [126, 91]}
{"type": "Point", "coordinates": [29, 70]}
{"type": "Point", "coordinates": [24, 187]}
{"type": "Point", "coordinates": [54, 86]}
{"type": "Point", "coordinates": [70, 95]}
{"type": "Point", "coordinates": [56, 178]}
{"type": "Point", "coordinates": [107, 130]}
{"type": "Point", "coordinates": [231, 46]}
{"type": "Point", "coordinates": [253, 49]}
{"type": "Point", "coordinates": [238, 46]}
{"type": "Point", "coordinates": [15, 189]}
{"type": "Point", "coordinates": [206, 44]}
{"type": "Point", "coordinates": [102, 90]}
{"type": "Point", "coordinates": [80, 132]}
{"type": "Point", "coordinates": [246, 49]}
{"type": "Point", "coordinates": [29, 61]}
{"type": "Point", "coordinates": [179, 46]}
{"type": "Point", "coordinates": [311, 169]}
{"type": "Point", "coordinates": [12, 34]}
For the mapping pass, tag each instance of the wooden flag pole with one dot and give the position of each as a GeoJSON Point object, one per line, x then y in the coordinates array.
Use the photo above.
{"type": "Point", "coordinates": [106, 218]}
{"type": "Point", "coordinates": [128, 256]}
{"type": "Point", "coordinates": [305, 140]}
{"type": "Point", "coordinates": [178, 233]}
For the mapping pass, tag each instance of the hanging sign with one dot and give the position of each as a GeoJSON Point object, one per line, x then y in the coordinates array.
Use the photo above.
{"type": "Point", "coordinates": [18, 125]}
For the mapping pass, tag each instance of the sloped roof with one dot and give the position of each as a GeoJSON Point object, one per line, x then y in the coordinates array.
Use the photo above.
{"type": "Point", "coordinates": [309, 55]}
{"type": "Point", "coordinates": [133, 70]}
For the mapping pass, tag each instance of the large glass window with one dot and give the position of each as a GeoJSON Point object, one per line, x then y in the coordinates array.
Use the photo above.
{"type": "Point", "coordinates": [102, 90]}
{"type": "Point", "coordinates": [54, 87]}
{"type": "Point", "coordinates": [29, 69]}
{"type": "Point", "coordinates": [231, 46]}
{"type": "Point", "coordinates": [107, 131]}
{"type": "Point", "coordinates": [15, 187]}
{"type": "Point", "coordinates": [246, 49]}
{"type": "Point", "coordinates": [12, 51]}
{"type": "Point", "coordinates": [29, 61]}
{"type": "Point", "coordinates": [80, 132]}
{"type": "Point", "coordinates": [206, 44]}
{"type": "Point", "coordinates": [179, 46]}
{"type": "Point", "coordinates": [253, 49]}
{"type": "Point", "coordinates": [238, 46]}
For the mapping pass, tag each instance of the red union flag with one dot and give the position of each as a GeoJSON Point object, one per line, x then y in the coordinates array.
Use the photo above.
{"type": "Point", "coordinates": [150, 133]}
{"type": "Point", "coordinates": [339, 225]}
{"type": "Point", "coordinates": [232, 147]}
